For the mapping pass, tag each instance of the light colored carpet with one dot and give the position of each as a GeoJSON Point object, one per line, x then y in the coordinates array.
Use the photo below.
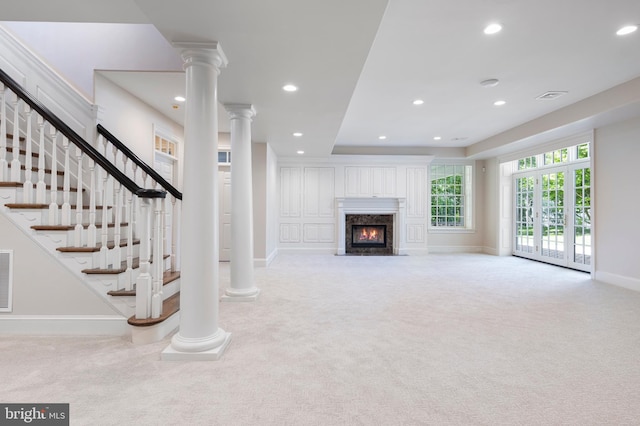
{"type": "Point", "coordinates": [463, 339]}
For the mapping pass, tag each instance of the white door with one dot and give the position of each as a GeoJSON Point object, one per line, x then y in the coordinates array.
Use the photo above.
{"type": "Point", "coordinates": [224, 218]}
{"type": "Point", "coordinates": [165, 166]}
{"type": "Point", "coordinates": [553, 216]}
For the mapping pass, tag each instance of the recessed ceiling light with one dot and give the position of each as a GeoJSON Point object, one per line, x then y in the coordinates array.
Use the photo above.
{"type": "Point", "coordinates": [437, 138]}
{"type": "Point", "coordinates": [300, 152]}
{"type": "Point", "coordinates": [382, 137]}
{"type": "Point", "coordinates": [492, 28]}
{"type": "Point", "coordinates": [627, 30]}
{"type": "Point", "coordinates": [297, 134]}
{"type": "Point", "coordinates": [418, 102]}
{"type": "Point", "coordinates": [179, 99]}
{"type": "Point", "coordinates": [289, 88]}
{"type": "Point", "coordinates": [499, 103]}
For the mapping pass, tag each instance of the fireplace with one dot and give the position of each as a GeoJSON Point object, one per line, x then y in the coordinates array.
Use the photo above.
{"type": "Point", "coordinates": [369, 234]}
{"type": "Point", "coordinates": [390, 212]}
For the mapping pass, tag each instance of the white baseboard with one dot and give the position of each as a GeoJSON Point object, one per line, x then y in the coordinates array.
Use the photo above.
{"type": "Point", "coordinates": [58, 325]}
{"type": "Point", "coordinates": [618, 280]}
{"type": "Point", "coordinates": [415, 251]}
{"type": "Point", "coordinates": [490, 250]}
{"type": "Point", "coordinates": [263, 263]}
{"type": "Point", "coordinates": [456, 249]}
{"type": "Point", "coordinates": [307, 250]}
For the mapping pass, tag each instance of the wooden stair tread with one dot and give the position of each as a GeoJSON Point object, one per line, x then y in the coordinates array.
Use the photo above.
{"type": "Point", "coordinates": [72, 227]}
{"type": "Point", "coordinates": [27, 206]}
{"type": "Point", "coordinates": [170, 306]}
{"type": "Point", "coordinates": [84, 249]}
{"type": "Point", "coordinates": [123, 267]}
{"type": "Point", "coordinates": [167, 277]}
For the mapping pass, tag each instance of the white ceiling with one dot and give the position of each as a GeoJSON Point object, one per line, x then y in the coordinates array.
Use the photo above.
{"type": "Point", "coordinates": [360, 64]}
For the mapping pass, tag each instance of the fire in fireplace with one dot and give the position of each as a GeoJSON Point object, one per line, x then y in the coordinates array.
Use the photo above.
{"type": "Point", "coordinates": [368, 235]}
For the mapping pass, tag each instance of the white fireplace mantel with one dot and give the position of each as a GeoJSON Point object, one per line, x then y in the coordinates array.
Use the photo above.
{"type": "Point", "coordinates": [373, 205]}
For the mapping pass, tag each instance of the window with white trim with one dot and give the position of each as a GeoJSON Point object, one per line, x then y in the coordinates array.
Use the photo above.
{"type": "Point", "coordinates": [451, 196]}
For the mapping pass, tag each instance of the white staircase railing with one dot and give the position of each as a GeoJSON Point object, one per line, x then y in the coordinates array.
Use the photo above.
{"type": "Point", "coordinates": [113, 189]}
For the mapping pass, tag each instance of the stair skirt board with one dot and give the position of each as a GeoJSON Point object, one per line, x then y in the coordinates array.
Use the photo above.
{"type": "Point", "coordinates": [64, 325]}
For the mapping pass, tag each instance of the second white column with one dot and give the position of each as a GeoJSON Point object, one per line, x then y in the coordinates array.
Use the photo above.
{"type": "Point", "coordinates": [242, 287]}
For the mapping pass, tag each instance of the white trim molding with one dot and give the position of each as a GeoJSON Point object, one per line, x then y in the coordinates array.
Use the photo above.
{"type": "Point", "coordinates": [64, 325]}
{"type": "Point", "coordinates": [618, 280]}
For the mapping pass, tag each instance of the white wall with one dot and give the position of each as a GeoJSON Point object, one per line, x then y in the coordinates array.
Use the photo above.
{"type": "Point", "coordinates": [75, 50]}
{"type": "Point", "coordinates": [272, 204]}
{"type": "Point", "coordinates": [133, 122]}
{"type": "Point", "coordinates": [41, 285]}
{"type": "Point", "coordinates": [616, 154]}
{"type": "Point", "coordinates": [307, 190]}
{"type": "Point", "coordinates": [491, 206]}
{"type": "Point", "coordinates": [259, 176]}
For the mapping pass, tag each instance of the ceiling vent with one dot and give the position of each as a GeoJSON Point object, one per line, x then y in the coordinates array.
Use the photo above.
{"type": "Point", "coordinates": [554, 94]}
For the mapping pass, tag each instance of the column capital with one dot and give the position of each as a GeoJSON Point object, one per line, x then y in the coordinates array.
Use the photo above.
{"type": "Point", "coordinates": [202, 53]}
{"type": "Point", "coordinates": [240, 110]}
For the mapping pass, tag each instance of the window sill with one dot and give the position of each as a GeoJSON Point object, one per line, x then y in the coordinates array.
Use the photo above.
{"type": "Point", "coordinates": [451, 231]}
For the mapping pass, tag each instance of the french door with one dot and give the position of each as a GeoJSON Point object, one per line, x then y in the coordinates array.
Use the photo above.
{"type": "Point", "coordinates": [553, 215]}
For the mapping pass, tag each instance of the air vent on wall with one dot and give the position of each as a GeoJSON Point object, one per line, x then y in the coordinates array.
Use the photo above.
{"type": "Point", "coordinates": [6, 278]}
{"type": "Point", "coordinates": [547, 96]}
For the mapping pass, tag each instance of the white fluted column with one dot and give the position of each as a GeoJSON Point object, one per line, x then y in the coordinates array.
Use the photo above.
{"type": "Point", "coordinates": [242, 287]}
{"type": "Point", "coordinates": [199, 337]}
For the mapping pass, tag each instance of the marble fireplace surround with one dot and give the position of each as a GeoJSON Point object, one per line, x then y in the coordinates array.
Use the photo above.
{"type": "Point", "coordinates": [373, 205]}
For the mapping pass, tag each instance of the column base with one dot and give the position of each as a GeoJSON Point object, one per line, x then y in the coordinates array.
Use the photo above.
{"type": "Point", "coordinates": [213, 354]}
{"type": "Point", "coordinates": [249, 295]}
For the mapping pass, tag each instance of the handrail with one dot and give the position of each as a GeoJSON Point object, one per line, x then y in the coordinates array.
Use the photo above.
{"type": "Point", "coordinates": [77, 140]}
{"type": "Point", "coordinates": [144, 166]}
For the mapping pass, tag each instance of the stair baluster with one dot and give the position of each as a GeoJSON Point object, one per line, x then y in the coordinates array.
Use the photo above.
{"type": "Point", "coordinates": [41, 187]}
{"type": "Point", "coordinates": [116, 252]}
{"type": "Point", "coordinates": [104, 240]}
{"type": "Point", "coordinates": [16, 167]}
{"type": "Point", "coordinates": [92, 236]}
{"type": "Point", "coordinates": [53, 206]}
{"type": "Point", "coordinates": [77, 235]}
{"type": "Point", "coordinates": [106, 190]}
{"type": "Point", "coordinates": [135, 211]}
{"type": "Point", "coordinates": [175, 235]}
{"type": "Point", "coordinates": [65, 214]}
{"type": "Point", "coordinates": [4, 166]}
{"type": "Point", "coordinates": [27, 186]}
{"type": "Point", "coordinates": [129, 218]}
